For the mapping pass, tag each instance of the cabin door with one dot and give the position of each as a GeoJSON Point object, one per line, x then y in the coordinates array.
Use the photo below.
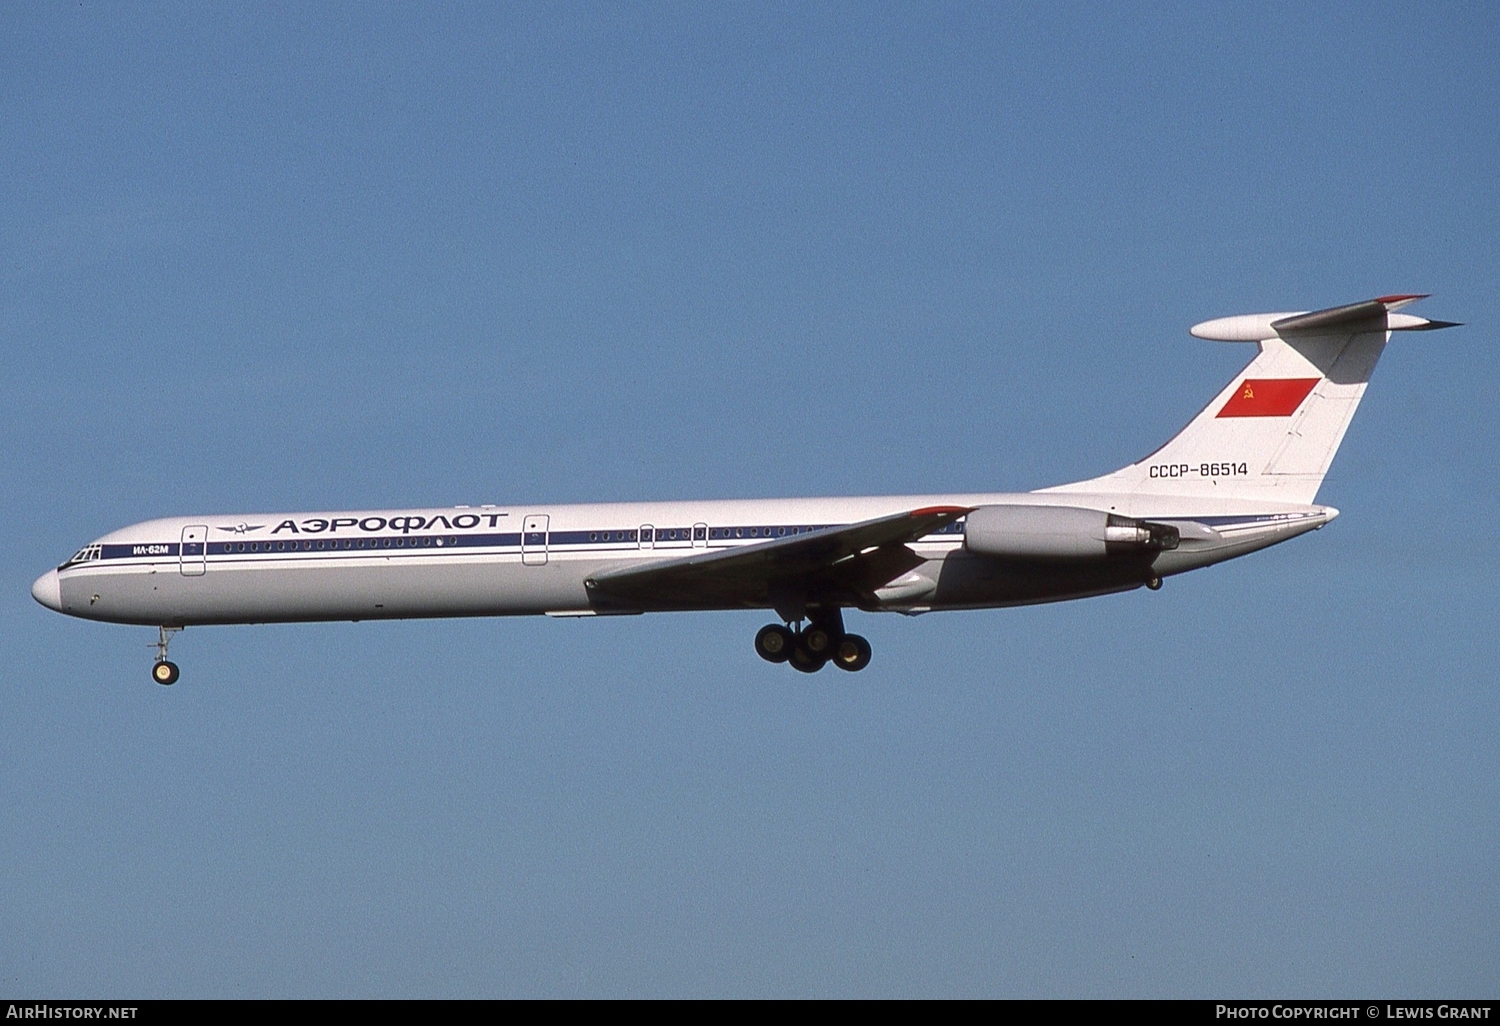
{"type": "Point", "coordinates": [534, 540]}
{"type": "Point", "coordinates": [193, 556]}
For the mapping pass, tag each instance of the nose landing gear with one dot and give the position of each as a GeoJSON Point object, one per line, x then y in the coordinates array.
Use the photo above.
{"type": "Point", "coordinates": [164, 671]}
{"type": "Point", "coordinates": [824, 641]}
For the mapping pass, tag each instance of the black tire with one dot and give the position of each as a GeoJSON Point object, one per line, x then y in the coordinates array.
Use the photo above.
{"type": "Point", "coordinates": [774, 643]}
{"type": "Point", "coordinates": [852, 653]}
{"type": "Point", "coordinates": [165, 673]}
{"type": "Point", "coordinates": [819, 641]}
{"type": "Point", "coordinates": [807, 662]}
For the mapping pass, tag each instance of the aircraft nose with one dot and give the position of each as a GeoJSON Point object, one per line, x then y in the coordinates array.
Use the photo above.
{"type": "Point", "coordinates": [47, 590]}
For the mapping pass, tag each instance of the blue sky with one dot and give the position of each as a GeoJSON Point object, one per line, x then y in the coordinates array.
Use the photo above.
{"type": "Point", "coordinates": [327, 257]}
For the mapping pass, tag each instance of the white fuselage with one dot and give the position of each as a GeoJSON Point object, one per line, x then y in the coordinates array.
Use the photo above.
{"type": "Point", "coordinates": [519, 560]}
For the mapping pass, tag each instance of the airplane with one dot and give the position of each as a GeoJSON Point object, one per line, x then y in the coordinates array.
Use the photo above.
{"type": "Point", "coordinates": [1241, 476]}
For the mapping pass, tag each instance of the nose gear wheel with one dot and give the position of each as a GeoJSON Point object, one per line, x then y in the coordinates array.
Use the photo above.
{"type": "Point", "coordinates": [163, 670]}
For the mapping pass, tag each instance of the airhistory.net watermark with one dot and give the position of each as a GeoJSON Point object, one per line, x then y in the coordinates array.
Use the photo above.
{"type": "Point", "coordinates": [44, 1010]}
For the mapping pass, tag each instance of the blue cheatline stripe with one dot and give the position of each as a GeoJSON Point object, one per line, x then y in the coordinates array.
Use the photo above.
{"type": "Point", "coordinates": [364, 543]}
{"type": "Point", "coordinates": [150, 549]}
{"type": "Point", "coordinates": [433, 544]}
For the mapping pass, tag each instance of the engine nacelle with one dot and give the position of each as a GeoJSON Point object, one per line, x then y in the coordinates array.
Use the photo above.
{"type": "Point", "coordinates": [1061, 532]}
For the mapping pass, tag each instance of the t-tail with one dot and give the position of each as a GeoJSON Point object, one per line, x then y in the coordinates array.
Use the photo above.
{"type": "Point", "coordinates": [1272, 432]}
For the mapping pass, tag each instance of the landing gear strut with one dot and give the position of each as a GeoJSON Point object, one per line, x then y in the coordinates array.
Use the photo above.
{"type": "Point", "coordinates": [164, 671]}
{"type": "Point", "coordinates": [823, 641]}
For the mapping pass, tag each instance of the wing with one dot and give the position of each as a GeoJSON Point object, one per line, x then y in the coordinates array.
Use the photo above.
{"type": "Point", "coordinates": [842, 566]}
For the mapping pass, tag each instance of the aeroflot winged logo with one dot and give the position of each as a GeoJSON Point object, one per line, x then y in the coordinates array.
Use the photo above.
{"type": "Point", "coordinates": [1268, 397]}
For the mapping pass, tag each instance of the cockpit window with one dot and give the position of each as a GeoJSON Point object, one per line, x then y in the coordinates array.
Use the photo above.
{"type": "Point", "coordinates": [87, 554]}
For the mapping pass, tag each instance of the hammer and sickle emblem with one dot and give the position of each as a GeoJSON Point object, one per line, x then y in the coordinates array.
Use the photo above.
{"type": "Point", "coordinates": [1249, 393]}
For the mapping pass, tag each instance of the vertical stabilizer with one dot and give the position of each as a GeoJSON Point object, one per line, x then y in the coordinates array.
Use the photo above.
{"type": "Point", "coordinates": [1272, 432]}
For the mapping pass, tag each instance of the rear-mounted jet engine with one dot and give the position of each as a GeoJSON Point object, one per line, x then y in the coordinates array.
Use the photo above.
{"type": "Point", "coordinates": [1061, 532]}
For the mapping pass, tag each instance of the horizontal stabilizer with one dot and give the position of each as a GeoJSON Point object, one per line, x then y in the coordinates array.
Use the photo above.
{"type": "Point", "coordinates": [1372, 315]}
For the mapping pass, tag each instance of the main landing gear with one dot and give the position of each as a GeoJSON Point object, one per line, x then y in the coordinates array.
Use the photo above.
{"type": "Point", "coordinates": [164, 671]}
{"type": "Point", "coordinates": [809, 650]}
